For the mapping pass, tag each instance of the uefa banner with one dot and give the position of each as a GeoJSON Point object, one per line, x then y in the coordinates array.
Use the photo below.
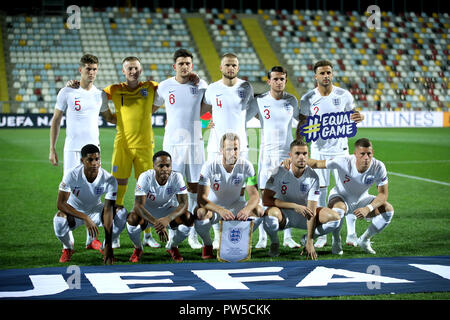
{"type": "Point", "coordinates": [235, 241]}
{"type": "Point", "coordinates": [44, 120]}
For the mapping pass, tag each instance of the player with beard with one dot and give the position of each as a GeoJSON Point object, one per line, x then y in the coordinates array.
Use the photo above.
{"type": "Point", "coordinates": [221, 181]}
{"type": "Point", "coordinates": [292, 196]}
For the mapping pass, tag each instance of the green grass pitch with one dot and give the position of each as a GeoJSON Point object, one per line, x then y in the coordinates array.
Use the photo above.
{"type": "Point", "coordinates": [420, 227]}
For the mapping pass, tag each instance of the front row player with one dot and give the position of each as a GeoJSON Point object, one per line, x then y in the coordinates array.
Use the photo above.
{"type": "Point", "coordinates": [356, 174]}
{"type": "Point", "coordinates": [291, 197]}
{"type": "Point", "coordinates": [225, 177]}
{"type": "Point", "coordinates": [161, 200]}
{"type": "Point", "coordinates": [79, 202]}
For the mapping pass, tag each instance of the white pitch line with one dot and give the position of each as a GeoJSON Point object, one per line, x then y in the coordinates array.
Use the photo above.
{"type": "Point", "coordinates": [418, 178]}
{"type": "Point", "coordinates": [416, 161]}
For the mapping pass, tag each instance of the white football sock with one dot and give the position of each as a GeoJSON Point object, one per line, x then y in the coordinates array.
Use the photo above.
{"type": "Point", "coordinates": [216, 228]}
{"type": "Point", "coordinates": [192, 201]}
{"type": "Point", "coordinates": [323, 197]}
{"type": "Point", "coordinates": [134, 232]}
{"type": "Point", "coordinates": [271, 226]}
{"type": "Point", "coordinates": [287, 234]}
{"type": "Point", "coordinates": [379, 222]}
{"type": "Point", "coordinates": [202, 227]}
{"type": "Point", "coordinates": [119, 223]}
{"type": "Point", "coordinates": [61, 227]}
{"type": "Point", "coordinates": [350, 218]}
{"type": "Point", "coordinates": [180, 234]}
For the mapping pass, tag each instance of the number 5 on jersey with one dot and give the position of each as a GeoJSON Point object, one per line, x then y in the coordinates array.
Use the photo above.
{"type": "Point", "coordinates": [77, 105]}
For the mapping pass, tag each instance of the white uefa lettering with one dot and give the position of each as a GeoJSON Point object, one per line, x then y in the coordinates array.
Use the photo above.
{"type": "Point", "coordinates": [114, 283]}
{"type": "Point", "coordinates": [322, 276]}
{"type": "Point", "coordinates": [221, 279]}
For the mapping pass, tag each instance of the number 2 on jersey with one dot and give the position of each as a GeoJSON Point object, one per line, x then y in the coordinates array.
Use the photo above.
{"type": "Point", "coordinates": [316, 109]}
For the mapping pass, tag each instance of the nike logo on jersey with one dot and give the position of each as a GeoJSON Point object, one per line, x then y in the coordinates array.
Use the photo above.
{"type": "Point", "coordinates": [170, 91]}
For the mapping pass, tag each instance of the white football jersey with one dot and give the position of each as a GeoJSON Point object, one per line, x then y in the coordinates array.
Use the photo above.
{"type": "Point", "coordinates": [158, 196]}
{"type": "Point", "coordinates": [289, 188]}
{"type": "Point", "coordinates": [225, 187]}
{"type": "Point", "coordinates": [313, 103]}
{"type": "Point", "coordinates": [276, 121]}
{"type": "Point", "coordinates": [84, 195]}
{"type": "Point", "coordinates": [182, 103]}
{"type": "Point", "coordinates": [82, 108]}
{"type": "Point", "coordinates": [229, 110]}
{"type": "Point", "coordinates": [350, 183]}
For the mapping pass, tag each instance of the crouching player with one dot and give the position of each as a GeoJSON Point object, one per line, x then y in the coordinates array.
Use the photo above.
{"type": "Point", "coordinates": [292, 195]}
{"type": "Point", "coordinates": [355, 175]}
{"type": "Point", "coordinates": [161, 200]}
{"type": "Point", "coordinates": [79, 202]}
{"type": "Point", "coordinates": [225, 176]}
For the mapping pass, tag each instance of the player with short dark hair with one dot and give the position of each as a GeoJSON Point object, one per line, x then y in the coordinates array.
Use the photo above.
{"type": "Point", "coordinates": [81, 106]}
{"type": "Point", "coordinates": [79, 202]}
{"type": "Point", "coordinates": [291, 196]}
{"type": "Point", "coordinates": [276, 110]}
{"type": "Point", "coordinates": [182, 97]}
{"type": "Point", "coordinates": [327, 98]}
{"type": "Point", "coordinates": [161, 201]}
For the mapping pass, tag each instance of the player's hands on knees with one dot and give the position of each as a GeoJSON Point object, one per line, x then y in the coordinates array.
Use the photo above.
{"type": "Point", "coordinates": [91, 227]}
{"type": "Point", "coordinates": [162, 234]}
{"type": "Point", "coordinates": [161, 224]}
{"type": "Point", "coordinates": [361, 213]}
{"type": "Point", "coordinates": [226, 214]}
{"type": "Point", "coordinates": [305, 211]}
{"type": "Point", "coordinates": [310, 251]}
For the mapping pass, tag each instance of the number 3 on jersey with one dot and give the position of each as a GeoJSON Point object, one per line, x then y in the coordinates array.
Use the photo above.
{"type": "Point", "coordinates": [267, 113]}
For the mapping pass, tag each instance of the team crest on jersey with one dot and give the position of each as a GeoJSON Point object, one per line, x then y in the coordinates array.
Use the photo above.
{"type": "Point", "coordinates": [194, 90]}
{"type": "Point", "coordinates": [144, 92]}
{"type": "Point", "coordinates": [329, 126]}
{"type": "Point", "coordinates": [99, 190]}
{"type": "Point", "coordinates": [287, 106]}
{"type": "Point", "coordinates": [241, 93]}
{"type": "Point", "coordinates": [237, 180]}
{"type": "Point", "coordinates": [369, 179]}
{"type": "Point", "coordinates": [303, 187]}
{"type": "Point", "coordinates": [337, 101]}
{"type": "Point", "coordinates": [169, 190]}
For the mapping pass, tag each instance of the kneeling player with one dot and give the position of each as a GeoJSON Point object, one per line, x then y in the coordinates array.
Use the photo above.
{"type": "Point", "coordinates": [225, 176]}
{"type": "Point", "coordinates": [79, 202]}
{"type": "Point", "coordinates": [292, 196]}
{"type": "Point", "coordinates": [355, 175]}
{"type": "Point", "coordinates": [161, 200]}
